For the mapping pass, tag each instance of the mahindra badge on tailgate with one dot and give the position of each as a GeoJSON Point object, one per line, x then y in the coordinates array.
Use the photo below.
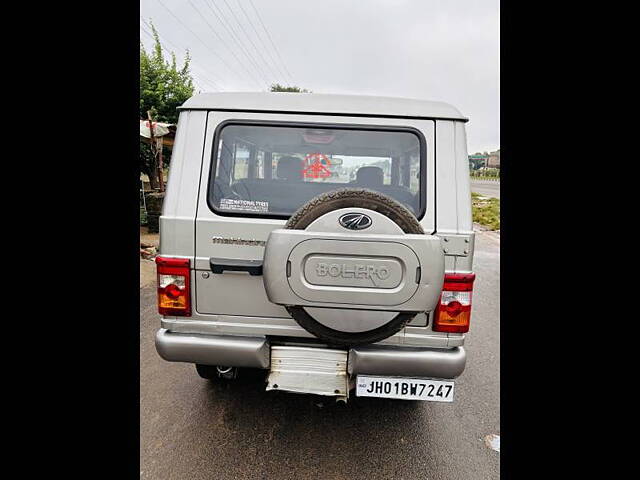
{"type": "Point", "coordinates": [355, 221]}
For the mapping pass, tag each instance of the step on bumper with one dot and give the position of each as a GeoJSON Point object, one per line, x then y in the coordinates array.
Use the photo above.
{"type": "Point", "coordinates": [320, 371]}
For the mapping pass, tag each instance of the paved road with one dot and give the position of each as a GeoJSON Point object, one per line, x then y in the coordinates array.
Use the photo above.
{"type": "Point", "coordinates": [486, 187]}
{"type": "Point", "coordinates": [190, 429]}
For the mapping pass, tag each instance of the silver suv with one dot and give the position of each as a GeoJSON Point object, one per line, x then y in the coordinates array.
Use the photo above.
{"type": "Point", "coordinates": [326, 239]}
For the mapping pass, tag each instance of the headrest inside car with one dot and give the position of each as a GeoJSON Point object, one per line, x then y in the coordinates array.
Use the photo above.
{"type": "Point", "coordinates": [371, 176]}
{"type": "Point", "coordinates": [289, 168]}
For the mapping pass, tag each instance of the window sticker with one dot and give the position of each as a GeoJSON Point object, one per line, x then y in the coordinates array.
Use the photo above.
{"type": "Point", "coordinates": [316, 166]}
{"type": "Point", "coordinates": [244, 205]}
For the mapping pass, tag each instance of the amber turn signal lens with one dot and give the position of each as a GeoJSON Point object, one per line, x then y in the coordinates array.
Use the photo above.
{"type": "Point", "coordinates": [453, 313]}
{"type": "Point", "coordinates": [174, 286]}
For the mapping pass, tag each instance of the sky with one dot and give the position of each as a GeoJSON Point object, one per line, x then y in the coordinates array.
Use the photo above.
{"type": "Point", "coordinates": [435, 50]}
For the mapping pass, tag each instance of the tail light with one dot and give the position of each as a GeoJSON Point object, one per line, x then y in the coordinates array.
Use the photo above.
{"type": "Point", "coordinates": [454, 309]}
{"type": "Point", "coordinates": [174, 286]}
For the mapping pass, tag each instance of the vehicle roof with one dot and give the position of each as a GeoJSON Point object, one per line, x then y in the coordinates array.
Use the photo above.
{"type": "Point", "coordinates": [319, 103]}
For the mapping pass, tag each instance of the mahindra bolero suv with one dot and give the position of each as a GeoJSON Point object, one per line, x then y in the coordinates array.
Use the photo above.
{"type": "Point", "coordinates": [326, 239]}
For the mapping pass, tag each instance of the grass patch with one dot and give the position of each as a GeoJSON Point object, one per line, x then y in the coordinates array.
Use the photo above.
{"type": "Point", "coordinates": [486, 211]}
{"type": "Point", "coordinates": [483, 177]}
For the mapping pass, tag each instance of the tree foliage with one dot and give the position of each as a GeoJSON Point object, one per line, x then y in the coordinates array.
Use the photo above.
{"type": "Point", "coordinates": [276, 87]}
{"type": "Point", "coordinates": [163, 88]}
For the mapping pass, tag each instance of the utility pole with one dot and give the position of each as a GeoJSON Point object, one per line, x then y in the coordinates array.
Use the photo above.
{"type": "Point", "coordinates": [154, 151]}
{"type": "Point", "coordinates": [160, 164]}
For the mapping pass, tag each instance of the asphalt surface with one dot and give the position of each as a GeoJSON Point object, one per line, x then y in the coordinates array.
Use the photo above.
{"type": "Point", "coordinates": [192, 429]}
{"type": "Point", "coordinates": [486, 187]}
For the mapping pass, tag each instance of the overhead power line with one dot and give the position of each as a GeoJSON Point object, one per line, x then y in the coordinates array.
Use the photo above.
{"type": "Point", "coordinates": [229, 28]}
{"type": "Point", "coordinates": [272, 43]}
{"type": "Point", "coordinates": [161, 39]}
{"type": "Point", "coordinates": [271, 63]}
{"type": "Point", "coordinates": [281, 74]}
{"type": "Point", "coordinates": [199, 82]}
{"type": "Point", "coordinates": [201, 77]}
{"type": "Point", "coordinates": [248, 37]}
{"type": "Point", "coordinates": [195, 35]}
{"type": "Point", "coordinates": [192, 63]}
{"type": "Point", "coordinates": [251, 76]}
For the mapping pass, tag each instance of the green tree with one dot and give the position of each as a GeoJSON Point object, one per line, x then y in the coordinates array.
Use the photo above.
{"type": "Point", "coordinates": [163, 88]}
{"type": "Point", "coordinates": [276, 87]}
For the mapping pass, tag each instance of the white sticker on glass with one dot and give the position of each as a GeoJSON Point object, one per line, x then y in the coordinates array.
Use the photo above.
{"type": "Point", "coordinates": [244, 205]}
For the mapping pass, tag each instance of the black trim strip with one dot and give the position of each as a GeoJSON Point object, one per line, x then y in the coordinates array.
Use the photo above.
{"type": "Point", "coordinates": [435, 177]}
{"type": "Point", "coordinates": [328, 114]}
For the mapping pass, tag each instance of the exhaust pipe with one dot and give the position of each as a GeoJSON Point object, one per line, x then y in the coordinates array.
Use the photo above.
{"type": "Point", "coordinates": [228, 373]}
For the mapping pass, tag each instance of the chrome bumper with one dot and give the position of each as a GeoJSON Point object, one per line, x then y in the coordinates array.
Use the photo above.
{"type": "Point", "coordinates": [255, 352]}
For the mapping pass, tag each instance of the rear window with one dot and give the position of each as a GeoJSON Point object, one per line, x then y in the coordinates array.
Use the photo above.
{"type": "Point", "coordinates": [272, 170]}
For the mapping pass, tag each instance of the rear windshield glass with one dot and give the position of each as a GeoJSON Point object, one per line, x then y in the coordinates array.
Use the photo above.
{"type": "Point", "coordinates": [273, 170]}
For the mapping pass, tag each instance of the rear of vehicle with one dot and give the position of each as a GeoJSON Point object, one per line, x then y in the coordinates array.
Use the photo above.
{"type": "Point", "coordinates": [327, 239]}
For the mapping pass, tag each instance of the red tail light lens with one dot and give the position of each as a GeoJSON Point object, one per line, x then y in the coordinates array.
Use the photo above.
{"type": "Point", "coordinates": [174, 286]}
{"type": "Point", "coordinates": [454, 309]}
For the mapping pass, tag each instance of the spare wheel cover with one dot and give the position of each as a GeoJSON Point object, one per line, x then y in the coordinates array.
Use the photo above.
{"type": "Point", "coordinates": [355, 333]}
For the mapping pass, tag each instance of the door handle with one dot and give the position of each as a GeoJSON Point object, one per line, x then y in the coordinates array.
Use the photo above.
{"type": "Point", "coordinates": [219, 265]}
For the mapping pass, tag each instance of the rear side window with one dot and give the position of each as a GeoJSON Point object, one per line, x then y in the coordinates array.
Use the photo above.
{"type": "Point", "coordinates": [271, 170]}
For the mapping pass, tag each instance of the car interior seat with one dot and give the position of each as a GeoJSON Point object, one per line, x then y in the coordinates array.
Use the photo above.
{"type": "Point", "coordinates": [289, 168]}
{"type": "Point", "coordinates": [370, 176]}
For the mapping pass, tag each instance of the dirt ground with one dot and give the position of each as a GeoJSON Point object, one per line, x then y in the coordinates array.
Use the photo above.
{"type": "Point", "coordinates": [148, 267]}
{"type": "Point", "coordinates": [146, 237]}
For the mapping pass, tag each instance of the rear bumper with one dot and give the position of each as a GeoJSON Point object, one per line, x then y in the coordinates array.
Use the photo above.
{"type": "Point", "coordinates": [407, 361]}
{"type": "Point", "coordinates": [255, 352]}
{"type": "Point", "coordinates": [230, 351]}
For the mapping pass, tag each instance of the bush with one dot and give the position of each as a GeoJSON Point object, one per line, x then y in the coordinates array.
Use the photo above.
{"type": "Point", "coordinates": [486, 173]}
{"type": "Point", "coordinates": [486, 211]}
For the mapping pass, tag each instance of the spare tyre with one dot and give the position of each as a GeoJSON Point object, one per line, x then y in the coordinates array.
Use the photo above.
{"type": "Point", "coordinates": [356, 268]}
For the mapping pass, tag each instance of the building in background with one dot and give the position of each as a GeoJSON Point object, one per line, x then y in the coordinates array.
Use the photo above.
{"type": "Point", "coordinates": [493, 159]}
{"type": "Point", "coordinates": [479, 161]}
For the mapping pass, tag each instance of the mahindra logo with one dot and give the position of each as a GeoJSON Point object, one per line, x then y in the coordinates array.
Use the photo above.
{"type": "Point", "coordinates": [355, 221]}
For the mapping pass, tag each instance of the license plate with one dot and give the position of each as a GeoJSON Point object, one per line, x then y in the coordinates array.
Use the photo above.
{"type": "Point", "coordinates": [405, 388]}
